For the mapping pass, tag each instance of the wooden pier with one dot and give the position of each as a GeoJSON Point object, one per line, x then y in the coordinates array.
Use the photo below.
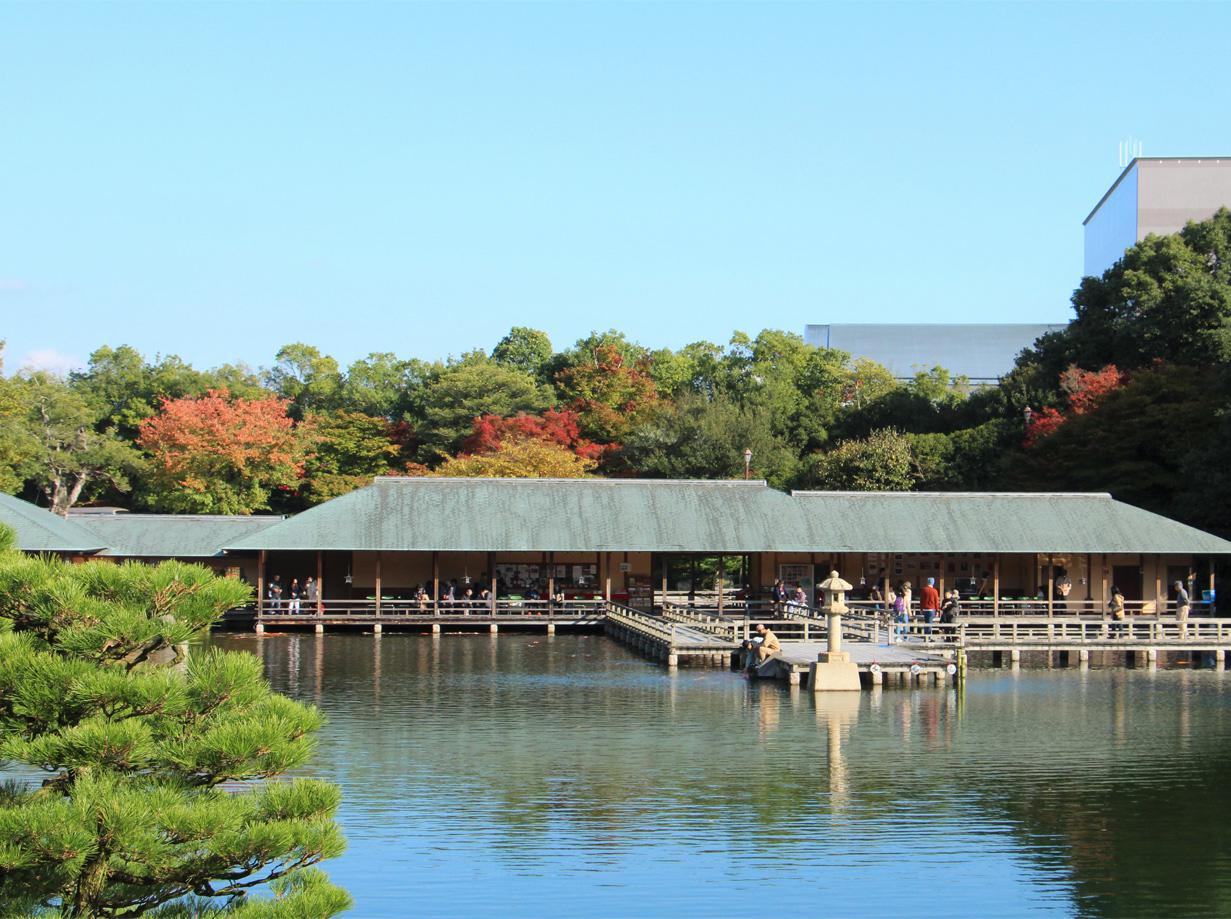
{"type": "Point", "coordinates": [885, 653]}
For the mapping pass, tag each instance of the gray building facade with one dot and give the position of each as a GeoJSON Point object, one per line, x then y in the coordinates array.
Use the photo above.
{"type": "Point", "coordinates": [1153, 195]}
{"type": "Point", "coordinates": [981, 352]}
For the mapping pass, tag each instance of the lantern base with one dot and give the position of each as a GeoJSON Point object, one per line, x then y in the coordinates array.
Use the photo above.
{"type": "Point", "coordinates": [834, 675]}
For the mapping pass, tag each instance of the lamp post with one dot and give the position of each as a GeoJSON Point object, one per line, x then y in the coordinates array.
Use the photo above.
{"type": "Point", "coordinates": [747, 464]}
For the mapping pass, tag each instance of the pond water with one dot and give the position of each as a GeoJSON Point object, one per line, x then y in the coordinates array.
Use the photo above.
{"type": "Point", "coordinates": [527, 775]}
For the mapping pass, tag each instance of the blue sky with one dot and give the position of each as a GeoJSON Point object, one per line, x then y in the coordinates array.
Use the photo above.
{"type": "Point", "coordinates": [216, 180]}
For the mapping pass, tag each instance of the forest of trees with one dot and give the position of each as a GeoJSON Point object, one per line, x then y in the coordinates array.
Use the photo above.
{"type": "Point", "coordinates": [1132, 398]}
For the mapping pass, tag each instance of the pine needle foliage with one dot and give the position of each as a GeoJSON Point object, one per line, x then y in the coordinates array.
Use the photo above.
{"type": "Point", "coordinates": [165, 790]}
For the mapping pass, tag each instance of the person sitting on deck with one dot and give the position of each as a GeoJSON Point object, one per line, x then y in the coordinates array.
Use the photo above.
{"type": "Point", "coordinates": [765, 644]}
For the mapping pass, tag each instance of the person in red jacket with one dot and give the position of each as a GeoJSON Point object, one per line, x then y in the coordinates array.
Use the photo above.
{"type": "Point", "coordinates": [929, 604]}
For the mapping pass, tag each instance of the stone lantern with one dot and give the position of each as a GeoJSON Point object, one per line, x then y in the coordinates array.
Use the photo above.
{"type": "Point", "coordinates": [834, 669]}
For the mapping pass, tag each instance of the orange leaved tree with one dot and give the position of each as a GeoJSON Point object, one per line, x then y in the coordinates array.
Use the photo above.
{"type": "Point", "coordinates": [219, 455]}
{"type": "Point", "coordinates": [520, 458]}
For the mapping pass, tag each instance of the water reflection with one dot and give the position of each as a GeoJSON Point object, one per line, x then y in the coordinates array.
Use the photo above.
{"type": "Point", "coordinates": [569, 776]}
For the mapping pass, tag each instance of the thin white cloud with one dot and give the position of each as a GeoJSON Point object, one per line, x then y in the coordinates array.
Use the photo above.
{"type": "Point", "coordinates": [12, 286]}
{"type": "Point", "coordinates": [51, 360]}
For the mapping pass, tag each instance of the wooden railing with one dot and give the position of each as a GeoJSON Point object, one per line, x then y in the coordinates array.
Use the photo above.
{"type": "Point", "coordinates": [410, 609]}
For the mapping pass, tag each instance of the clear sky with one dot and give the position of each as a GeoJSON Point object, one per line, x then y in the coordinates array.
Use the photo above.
{"type": "Point", "coordinates": [215, 180]}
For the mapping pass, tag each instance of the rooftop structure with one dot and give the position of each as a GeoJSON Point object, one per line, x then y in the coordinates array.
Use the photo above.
{"type": "Point", "coordinates": [669, 516]}
{"type": "Point", "coordinates": [186, 536]}
{"type": "Point", "coordinates": [39, 530]}
{"type": "Point", "coordinates": [1153, 195]}
{"type": "Point", "coordinates": [981, 352]}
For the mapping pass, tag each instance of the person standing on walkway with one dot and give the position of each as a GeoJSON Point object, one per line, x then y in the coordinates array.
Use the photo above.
{"type": "Point", "coordinates": [1181, 608]}
{"type": "Point", "coordinates": [1115, 609]}
{"type": "Point", "coordinates": [311, 592]}
{"type": "Point", "coordinates": [274, 593]}
{"type": "Point", "coordinates": [294, 608]}
{"type": "Point", "coordinates": [929, 604]}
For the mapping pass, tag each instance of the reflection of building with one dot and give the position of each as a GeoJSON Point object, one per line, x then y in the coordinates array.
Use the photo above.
{"type": "Point", "coordinates": [981, 352]}
{"type": "Point", "coordinates": [1154, 195]}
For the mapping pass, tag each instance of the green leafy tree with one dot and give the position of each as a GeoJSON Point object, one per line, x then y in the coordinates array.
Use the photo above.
{"type": "Point", "coordinates": [882, 461]}
{"type": "Point", "coordinates": [699, 438]}
{"type": "Point", "coordinates": [384, 386]}
{"type": "Point", "coordinates": [159, 790]}
{"type": "Point", "coordinates": [524, 349]}
{"type": "Point", "coordinates": [309, 380]}
{"type": "Point", "coordinates": [608, 393]}
{"type": "Point", "coordinates": [1134, 443]}
{"type": "Point", "coordinates": [1168, 298]}
{"type": "Point", "coordinates": [468, 389]}
{"type": "Point", "coordinates": [54, 434]}
{"type": "Point", "coordinates": [348, 449]}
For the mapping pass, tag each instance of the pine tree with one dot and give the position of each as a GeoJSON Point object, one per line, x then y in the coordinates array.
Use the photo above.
{"type": "Point", "coordinates": [164, 788]}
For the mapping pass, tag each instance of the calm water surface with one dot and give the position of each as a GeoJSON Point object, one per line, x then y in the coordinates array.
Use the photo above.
{"type": "Point", "coordinates": [526, 775]}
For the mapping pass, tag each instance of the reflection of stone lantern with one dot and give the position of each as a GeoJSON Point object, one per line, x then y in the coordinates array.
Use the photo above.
{"type": "Point", "coordinates": [834, 669]}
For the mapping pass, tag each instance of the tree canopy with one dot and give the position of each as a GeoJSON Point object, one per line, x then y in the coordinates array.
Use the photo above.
{"type": "Point", "coordinates": [143, 747]}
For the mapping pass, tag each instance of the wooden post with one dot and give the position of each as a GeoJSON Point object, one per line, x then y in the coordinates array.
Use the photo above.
{"type": "Point", "coordinates": [551, 581]}
{"type": "Point", "coordinates": [377, 583]}
{"type": "Point", "coordinates": [1212, 594]}
{"type": "Point", "coordinates": [996, 585]}
{"type": "Point", "coordinates": [1103, 578]}
{"type": "Point", "coordinates": [435, 583]}
{"type": "Point", "coordinates": [1051, 585]}
{"type": "Point", "coordinates": [260, 584]}
{"type": "Point", "coordinates": [1089, 577]}
{"type": "Point", "coordinates": [663, 564]}
{"type": "Point", "coordinates": [722, 572]}
{"type": "Point", "coordinates": [607, 579]}
{"type": "Point", "coordinates": [491, 575]}
{"type": "Point", "coordinates": [320, 584]}
{"type": "Point", "coordinates": [1159, 606]}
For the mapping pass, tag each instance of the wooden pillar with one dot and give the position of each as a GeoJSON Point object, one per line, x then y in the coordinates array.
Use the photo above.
{"type": "Point", "coordinates": [1159, 606]}
{"type": "Point", "coordinates": [491, 576]}
{"type": "Point", "coordinates": [260, 584]}
{"type": "Point", "coordinates": [1212, 594]}
{"type": "Point", "coordinates": [722, 573]}
{"type": "Point", "coordinates": [551, 579]}
{"type": "Point", "coordinates": [996, 585]}
{"type": "Point", "coordinates": [607, 578]}
{"type": "Point", "coordinates": [320, 584]}
{"type": "Point", "coordinates": [1089, 577]}
{"type": "Point", "coordinates": [1051, 585]}
{"type": "Point", "coordinates": [1103, 577]}
{"type": "Point", "coordinates": [940, 579]}
{"type": "Point", "coordinates": [663, 567]}
{"type": "Point", "coordinates": [435, 583]}
{"type": "Point", "coordinates": [377, 583]}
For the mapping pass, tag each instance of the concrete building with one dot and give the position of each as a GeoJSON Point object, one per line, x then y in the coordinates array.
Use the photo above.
{"type": "Point", "coordinates": [1153, 195]}
{"type": "Point", "coordinates": [981, 352]}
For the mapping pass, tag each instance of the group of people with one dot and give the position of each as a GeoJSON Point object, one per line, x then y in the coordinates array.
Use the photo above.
{"type": "Point", "coordinates": [298, 595]}
{"type": "Point", "coordinates": [933, 608]}
{"type": "Point", "coordinates": [784, 595]}
{"type": "Point", "coordinates": [294, 595]}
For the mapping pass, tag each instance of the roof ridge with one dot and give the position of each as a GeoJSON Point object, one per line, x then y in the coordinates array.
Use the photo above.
{"type": "Point", "coordinates": [811, 493]}
{"type": "Point", "coordinates": [400, 479]}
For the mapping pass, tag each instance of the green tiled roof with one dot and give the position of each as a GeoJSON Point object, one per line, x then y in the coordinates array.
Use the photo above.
{"type": "Point", "coordinates": [170, 535]}
{"type": "Point", "coordinates": [994, 522]}
{"type": "Point", "coordinates": [554, 515]}
{"type": "Point", "coordinates": [39, 530]}
{"type": "Point", "coordinates": [642, 515]}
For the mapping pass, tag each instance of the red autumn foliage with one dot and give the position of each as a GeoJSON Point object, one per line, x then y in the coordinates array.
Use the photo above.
{"type": "Point", "coordinates": [1042, 424]}
{"type": "Point", "coordinates": [1085, 389]}
{"type": "Point", "coordinates": [561, 427]}
{"type": "Point", "coordinates": [195, 439]}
